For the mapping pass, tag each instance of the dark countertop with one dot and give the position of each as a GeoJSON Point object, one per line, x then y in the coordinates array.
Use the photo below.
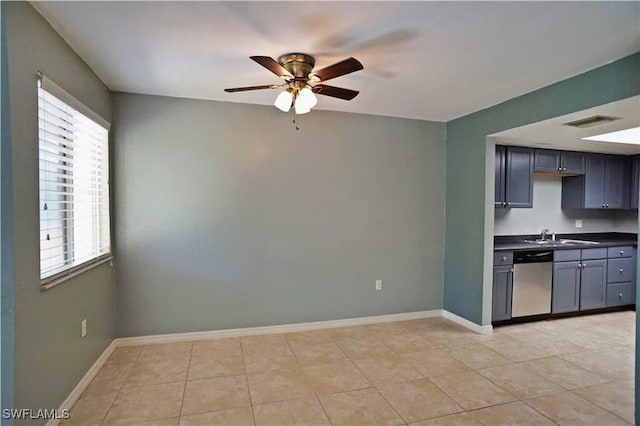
{"type": "Point", "coordinates": [605, 239]}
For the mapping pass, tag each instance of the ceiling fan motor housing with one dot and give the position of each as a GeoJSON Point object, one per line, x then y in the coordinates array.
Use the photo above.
{"type": "Point", "coordinates": [299, 65]}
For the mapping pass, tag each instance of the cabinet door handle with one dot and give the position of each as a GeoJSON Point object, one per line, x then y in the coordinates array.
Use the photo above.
{"type": "Point", "coordinates": [504, 258]}
{"type": "Point", "coordinates": [621, 252]}
{"type": "Point", "coordinates": [621, 270]}
{"type": "Point", "coordinates": [559, 169]}
{"type": "Point", "coordinates": [607, 205]}
{"type": "Point", "coordinates": [603, 206]}
{"type": "Point", "coordinates": [619, 295]}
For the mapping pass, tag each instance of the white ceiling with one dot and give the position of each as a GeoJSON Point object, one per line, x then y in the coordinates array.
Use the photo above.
{"type": "Point", "coordinates": [554, 134]}
{"type": "Point", "coordinates": [426, 60]}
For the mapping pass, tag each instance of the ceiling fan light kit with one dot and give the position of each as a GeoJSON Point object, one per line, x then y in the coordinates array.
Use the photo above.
{"type": "Point", "coordinates": [296, 69]}
{"type": "Point", "coordinates": [284, 100]}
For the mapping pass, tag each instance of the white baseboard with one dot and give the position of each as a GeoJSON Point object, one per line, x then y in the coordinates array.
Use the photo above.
{"type": "Point", "coordinates": [481, 329]}
{"type": "Point", "coordinates": [84, 382]}
{"type": "Point", "coordinates": [272, 329]}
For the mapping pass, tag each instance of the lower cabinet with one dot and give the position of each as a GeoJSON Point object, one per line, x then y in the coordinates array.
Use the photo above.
{"type": "Point", "coordinates": [502, 292]}
{"type": "Point", "coordinates": [566, 287]}
{"type": "Point", "coordinates": [621, 276]}
{"type": "Point", "coordinates": [583, 279]}
{"type": "Point", "coordinates": [621, 294]}
{"type": "Point", "coordinates": [579, 285]}
{"type": "Point", "coordinates": [593, 284]}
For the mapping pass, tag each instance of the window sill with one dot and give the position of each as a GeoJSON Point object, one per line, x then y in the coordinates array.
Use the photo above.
{"type": "Point", "coordinates": [54, 280]}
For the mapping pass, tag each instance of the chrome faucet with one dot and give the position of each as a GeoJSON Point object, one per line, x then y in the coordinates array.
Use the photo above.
{"type": "Point", "coordinates": [543, 234]}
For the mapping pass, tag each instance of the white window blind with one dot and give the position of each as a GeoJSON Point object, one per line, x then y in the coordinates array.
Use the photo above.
{"type": "Point", "coordinates": [74, 185]}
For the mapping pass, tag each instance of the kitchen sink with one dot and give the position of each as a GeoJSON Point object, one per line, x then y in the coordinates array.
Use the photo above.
{"type": "Point", "coordinates": [578, 242]}
{"type": "Point", "coordinates": [560, 242]}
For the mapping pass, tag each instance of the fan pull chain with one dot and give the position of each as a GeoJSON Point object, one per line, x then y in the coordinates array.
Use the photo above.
{"type": "Point", "coordinates": [295, 122]}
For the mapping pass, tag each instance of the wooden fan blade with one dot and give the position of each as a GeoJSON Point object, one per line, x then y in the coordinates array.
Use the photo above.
{"type": "Point", "coordinates": [244, 89]}
{"type": "Point", "coordinates": [340, 68]}
{"type": "Point", "coordinates": [272, 65]}
{"type": "Point", "coordinates": [335, 92]}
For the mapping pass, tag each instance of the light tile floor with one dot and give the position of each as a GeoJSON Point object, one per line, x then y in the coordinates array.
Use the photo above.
{"type": "Point", "coordinates": [576, 371]}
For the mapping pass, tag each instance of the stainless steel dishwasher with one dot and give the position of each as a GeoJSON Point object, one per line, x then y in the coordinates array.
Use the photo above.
{"type": "Point", "coordinates": [532, 276]}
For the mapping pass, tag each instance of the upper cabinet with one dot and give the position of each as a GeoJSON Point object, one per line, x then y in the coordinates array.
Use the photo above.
{"type": "Point", "coordinates": [563, 162]}
{"type": "Point", "coordinates": [514, 177]}
{"type": "Point", "coordinates": [589, 180]}
{"type": "Point", "coordinates": [604, 185]}
{"type": "Point", "coordinates": [501, 155]}
{"type": "Point", "coordinates": [635, 182]}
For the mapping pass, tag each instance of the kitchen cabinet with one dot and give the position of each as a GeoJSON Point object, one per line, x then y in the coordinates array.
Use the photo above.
{"type": "Point", "coordinates": [583, 279]}
{"type": "Point", "coordinates": [617, 182]}
{"type": "Point", "coordinates": [579, 285]}
{"type": "Point", "coordinates": [514, 177]}
{"type": "Point", "coordinates": [502, 292]}
{"type": "Point", "coordinates": [500, 170]}
{"type": "Point", "coordinates": [621, 274]}
{"type": "Point", "coordinates": [565, 296]}
{"type": "Point", "coordinates": [605, 184]}
{"type": "Point", "coordinates": [563, 162]}
{"type": "Point", "coordinates": [635, 182]}
{"type": "Point", "coordinates": [593, 284]}
{"type": "Point", "coordinates": [621, 294]}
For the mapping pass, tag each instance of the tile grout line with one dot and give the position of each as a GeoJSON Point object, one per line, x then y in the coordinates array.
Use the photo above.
{"type": "Point", "coordinates": [572, 364]}
{"type": "Point", "coordinates": [104, 418]}
{"type": "Point", "coordinates": [524, 401]}
{"type": "Point", "coordinates": [246, 378]}
{"type": "Point", "coordinates": [316, 394]}
{"type": "Point", "coordinates": [598, 405]}
{"type": "Point", "coordinates": [186, 379]}
{"type": "Point", "coordinates": [375, 386]}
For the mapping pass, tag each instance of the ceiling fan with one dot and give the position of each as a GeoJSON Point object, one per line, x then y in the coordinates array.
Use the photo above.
{"type": "Point", "coordinates": [297, 71]}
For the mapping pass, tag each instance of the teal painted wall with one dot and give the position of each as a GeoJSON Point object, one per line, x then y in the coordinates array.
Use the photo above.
{"type": "Point", "coordinates": [227, 217]}
{"type": "Point", "coordinates": [466, 146]}
{"type": "Point", "coordinates": [464, 288]}
{"type": "Point", "coordinates": [6, 235]}
{"type": "Point", "coordinates": [50, 356]}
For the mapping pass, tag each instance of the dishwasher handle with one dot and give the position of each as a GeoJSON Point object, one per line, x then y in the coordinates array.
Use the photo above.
{"type": "Point", "coordinates": [532, 256]}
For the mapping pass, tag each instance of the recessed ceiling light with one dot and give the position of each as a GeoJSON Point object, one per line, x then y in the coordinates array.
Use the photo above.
{"type": "Point", "coordinates": [631, 136]}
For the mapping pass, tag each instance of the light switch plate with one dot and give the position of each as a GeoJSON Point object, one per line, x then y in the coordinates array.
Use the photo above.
{"type": "Point", "coordinates": [578, 223]}
{"type": "Point", "coordinates": [84, 328]}
{"type": "Point", "coordinates": [378, 284]}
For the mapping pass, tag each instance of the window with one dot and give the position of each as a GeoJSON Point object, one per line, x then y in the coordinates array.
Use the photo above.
{"type": "Point", "coordinates": [74, 185]}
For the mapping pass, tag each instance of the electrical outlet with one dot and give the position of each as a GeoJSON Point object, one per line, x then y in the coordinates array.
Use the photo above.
{"type": "Point", "coordinates": [578, 223]}
{"type": "Point", "coordinates": [378, 284]}
{"type": "Point", "coordinates": [84, 328]}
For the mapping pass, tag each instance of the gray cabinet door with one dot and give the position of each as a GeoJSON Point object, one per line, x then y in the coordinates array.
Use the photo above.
{"type": "Point", "coordinates": [499, 200]}
{"type": "Point", "coordinates": [502, 292]}
{"type": "Point", "coordinates": [519, 177]}
{"type": "Point", "coordinates": [616, 182]}
{"type": "Point", "coordinates": [593, 284]}
{"type": "Point", "coordinates": [546, 161]}
{"type": "Point", "coordinates": [572, 162]}
{"type": "Point", "coordinates": [594, 185]}
{"type": "Point", "coordinates": [566, 287]}
{"type": "Point", "coordinates": [635, 182]}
